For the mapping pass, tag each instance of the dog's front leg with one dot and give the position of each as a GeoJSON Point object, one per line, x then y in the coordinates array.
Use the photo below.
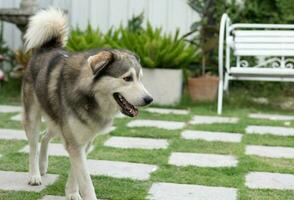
{"type": "Point", "coordinates": [72, 187]}
{"type": "Point", "coordinates": [80, 172]}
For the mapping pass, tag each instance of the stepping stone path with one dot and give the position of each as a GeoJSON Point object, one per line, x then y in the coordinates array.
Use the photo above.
{"type": "Point", "coordinates": [136, 143]}
{"type": "Point", "coordinates": [167, 111]}
{"type": "Point", "coordinates": [10, 109]}
{"type": "Point", "coordinates": [270, 151]}
{"type": "Point", "coordinates": [211, 136]}
{"type": "Point", "coordinates": [11, 134]}
{"type": "Point", "coordinates": [271, 116]}
{"type": "Point", "coordinates": [272, 130]}
{"type": "Point", "coordinates": [202, 160]}
{"type": "Point", "coordinates": [172, 191]}
{"type": "Point", "coordinates": [54, 149]}
{"type": "Point", "coordinates": [18, 181]}
{"type": "Point", "coordinates": [169, 125]}
{"type": "Point", "coordinates": [118, 169]}
{"type": "Point", "coordinates": [266, 180]}
{"type": "Point", "coordinates": [201, 119]}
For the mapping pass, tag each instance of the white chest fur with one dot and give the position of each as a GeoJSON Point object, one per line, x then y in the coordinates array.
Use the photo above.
{"type": "Point", "coordinates": [84, 133]}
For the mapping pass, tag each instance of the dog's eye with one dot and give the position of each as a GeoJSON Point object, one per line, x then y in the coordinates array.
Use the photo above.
{"type": "Point", "coordinates": [128, 78]}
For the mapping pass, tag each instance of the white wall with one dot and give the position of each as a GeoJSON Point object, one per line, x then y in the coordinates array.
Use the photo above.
{"type": "Point", "coordinates": [168, 14]}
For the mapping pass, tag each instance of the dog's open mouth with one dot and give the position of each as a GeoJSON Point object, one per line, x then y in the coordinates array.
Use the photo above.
{"type": "Point", "coordinates": [126, 108]}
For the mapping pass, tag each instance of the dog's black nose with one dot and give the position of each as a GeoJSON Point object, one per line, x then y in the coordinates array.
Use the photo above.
{"type": "Point", "coordinates": [148, 100]}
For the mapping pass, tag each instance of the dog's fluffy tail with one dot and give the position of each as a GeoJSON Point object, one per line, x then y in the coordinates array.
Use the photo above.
{"type": "Point", "coordinates": [47, 29]}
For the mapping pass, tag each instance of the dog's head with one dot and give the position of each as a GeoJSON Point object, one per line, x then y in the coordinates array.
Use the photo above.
{"type": "Point", "coordinates": [117, 77]}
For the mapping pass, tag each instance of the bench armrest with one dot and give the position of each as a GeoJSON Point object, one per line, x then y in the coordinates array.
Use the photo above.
{"type": "Point", "coordinates": [221, 42]}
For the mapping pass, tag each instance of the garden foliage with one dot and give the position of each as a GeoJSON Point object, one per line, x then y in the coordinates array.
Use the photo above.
{"type": "Point", "coordinates": [155, 48]}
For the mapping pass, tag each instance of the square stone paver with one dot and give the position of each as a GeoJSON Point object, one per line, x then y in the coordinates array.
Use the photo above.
{"type": "Point", "coordinates": [267, 180]}
{"type": "Point", "coordinates": [172, 191]}
{"type": "Point", "coordinates": [169, 125]}
{"type": "Point", "coordinates": [10, 109]}
{"type": "Point", "coordinates": [272, 130]}
{"type": "Point", "coordinates": [137, 143]}
{"type": "Point", "coordinates": [18, 181]}
{"type": "Point", "coordinates": [211, 136]}
{"type": "Point", "coordinates": [271, 116]}
{"type": "Point", "coordinates": [118, 169]}
{"type": "Point", "coordinates": [201, 119]}
{"type": "Point", "coordinates": [167, 111]}
{"type": "Point", "coordinates": [54, 149]}
{"type": "Point", "coordinates": [202, 160]}
{"type": "Point", "coordinates": [270, 151]}
{"type": "Point", "coordinates": [11, 134]}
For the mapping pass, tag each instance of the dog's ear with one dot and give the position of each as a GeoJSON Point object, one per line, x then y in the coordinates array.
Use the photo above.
{"type": "Point", "coordinates": [99, 61]}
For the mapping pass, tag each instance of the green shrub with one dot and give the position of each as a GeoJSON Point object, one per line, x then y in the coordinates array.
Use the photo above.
{"type": "Point", "coordinates": [88, 39]}
{"type": "Point", "coordinates": [265, 11]}
{"type": "Point", "coordinates": [155, 49]}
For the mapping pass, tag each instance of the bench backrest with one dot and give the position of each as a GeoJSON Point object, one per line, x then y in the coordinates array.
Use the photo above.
{"type": "Point", "coordinates": [262, 40]}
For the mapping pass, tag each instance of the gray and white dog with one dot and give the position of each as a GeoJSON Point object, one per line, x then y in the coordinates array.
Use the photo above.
{"type": "Point", "coordinates": [78, 95]}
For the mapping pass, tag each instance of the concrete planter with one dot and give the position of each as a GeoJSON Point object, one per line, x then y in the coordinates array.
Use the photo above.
{"type": "Point", "coordinates": [165, 85]}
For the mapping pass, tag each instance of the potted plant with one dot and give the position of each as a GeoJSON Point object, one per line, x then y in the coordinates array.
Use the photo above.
{"type": "Point", "coordinates": [204, 34]}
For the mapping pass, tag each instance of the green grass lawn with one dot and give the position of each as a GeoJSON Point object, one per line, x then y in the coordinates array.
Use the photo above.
{"type": "Point", "coordinates": [126, 189]}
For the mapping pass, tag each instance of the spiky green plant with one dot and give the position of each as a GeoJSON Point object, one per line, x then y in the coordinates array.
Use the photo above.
{"type": "Point", "coordinates": [80, 40]}
{"type": "Point", "coordinates": [156, 49]}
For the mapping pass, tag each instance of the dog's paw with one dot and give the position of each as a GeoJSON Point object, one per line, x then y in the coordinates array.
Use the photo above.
{"type": "Point", "coordinates": [73, 196]}
{"type": "Point", "coordinates": [35, 180]}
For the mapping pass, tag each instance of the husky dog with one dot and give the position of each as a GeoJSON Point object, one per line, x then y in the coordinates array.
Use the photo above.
{"type": "Point", "coordinates": [78, 94]}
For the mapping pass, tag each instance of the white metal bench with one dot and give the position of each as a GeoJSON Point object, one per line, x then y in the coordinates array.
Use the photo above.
{"type": "Point", "coordinates": [241, 44]}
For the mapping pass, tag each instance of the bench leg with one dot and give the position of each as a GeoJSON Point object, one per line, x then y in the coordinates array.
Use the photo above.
{"type": "Point", "coordinates": [220, 97]}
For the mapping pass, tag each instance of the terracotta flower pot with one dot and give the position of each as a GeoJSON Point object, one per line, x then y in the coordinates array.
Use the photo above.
{"type": "Point", "coordinates": [203, 88]}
